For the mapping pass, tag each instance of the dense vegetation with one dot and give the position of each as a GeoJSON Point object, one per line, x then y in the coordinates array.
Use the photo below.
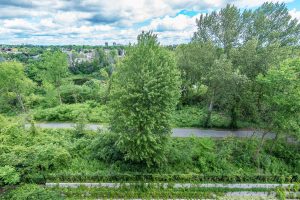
{"type": "Point", "coordinates": [240, 70]}
{"type": "Point", "coordinates": [39, 156]}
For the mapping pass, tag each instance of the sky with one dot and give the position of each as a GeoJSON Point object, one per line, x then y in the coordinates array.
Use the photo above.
{"type": "Point", "coordinates": [94, 22]}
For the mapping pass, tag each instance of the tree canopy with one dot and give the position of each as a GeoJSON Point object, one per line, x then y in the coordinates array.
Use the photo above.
{"type": "Point", "coordinates": [144, 94]}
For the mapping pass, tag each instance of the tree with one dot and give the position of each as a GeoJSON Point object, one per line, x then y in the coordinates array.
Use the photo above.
{"type": "Point", "coordinates": [224, 28]}
{"type": "Point", "coordinates": [108, 70]}
{"type": "Point", "coordinates": [145, 91]}
{"type": "Point", "coordinates": [280, 110]}
{"type": "Point", "coordinates": [55, 68]}
{"type": "Point", "coordinates": [252, 41]}
{"type": "Point", "coordinates": [226, 87]}
{"type": "Point", "coordinates": [272, 23]}
{"type": "Point", "coordinates": [13, 79]}
{"type": "Point", "coordinates": [195, 61]}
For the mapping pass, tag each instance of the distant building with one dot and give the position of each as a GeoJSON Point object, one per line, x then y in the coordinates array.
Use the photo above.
{"type": "Point", "coordinates": [121, 52]}
{"type": "Point", "coordinates": [106, 44]}
{"type": "Point", "coordinates": [114, 44]}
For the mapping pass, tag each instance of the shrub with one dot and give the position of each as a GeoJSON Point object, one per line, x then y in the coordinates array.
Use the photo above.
{"type": "Point", "coordinates": [8, 175]}
{"type": "Point", "coordinates": [72, 112]}
{"type": "Point", "coordinates": [188, 116]}
{"type": "Point", "coordinates": [49, 157]}
{"type": "Point", "coordinates": [104, 148]}
{"type": "Point", "coordinates": [32, 192]}
{"type": "Point", "coordinates": [194, 116]}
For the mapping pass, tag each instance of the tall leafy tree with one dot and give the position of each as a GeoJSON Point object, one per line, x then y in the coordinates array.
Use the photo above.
{"type": "Point", "coordinates": [272, 23]}
{"type": "Point", "coordinates": [55, 68]}
{"type": "Point", "coordinates": [13, 79]}
{"type": "Point", "coordinates": [224, 28]}
{"type": "Point", "coordinates": [145, 91]}
{"type": "Point", "coordinates": [195, 61]}
{"type": "Point", "coordinates": [252, 41]}
{"type": "Point", "coordinates": [280, 110]}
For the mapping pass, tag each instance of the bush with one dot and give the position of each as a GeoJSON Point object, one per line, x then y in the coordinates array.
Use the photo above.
{"type": "Point", "coordinates": [90, 90]}
{"type": "Point", "coordinates": [50, 157]}
{"type": "Point", "coordinates": [72, 112]}
{"type": "Point", "coordinates": [194, 116]}
{"type": "Point", "coordinates": [8, 176]}
{"type": "Point", "coordinates": [104, 148]}
{"type": "Point", "coordinates": [32, 192]}
{"type": "Point", "coordinates": [188, 116]}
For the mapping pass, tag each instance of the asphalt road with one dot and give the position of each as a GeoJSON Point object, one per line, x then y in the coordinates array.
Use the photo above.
{"type": "Point", "coordinates": [176, 132]}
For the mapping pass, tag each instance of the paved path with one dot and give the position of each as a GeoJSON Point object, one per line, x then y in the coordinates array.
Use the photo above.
{"type": "Point", "coordinates": [177, 132]}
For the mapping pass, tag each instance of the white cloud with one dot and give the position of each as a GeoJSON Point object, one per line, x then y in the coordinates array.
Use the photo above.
{"type": "Point", "coordinates": [254, 3]}
{"type": "Point", "coordinates": [178, 23]}
{"type": "Point", "coordinates": [18, 24]}
{"type": "Point", "coordinates": [97, 21]}
{"type": "Point", "coordinates": [295, 14]}
{"type": "Point", "coordinates": [68, 18]}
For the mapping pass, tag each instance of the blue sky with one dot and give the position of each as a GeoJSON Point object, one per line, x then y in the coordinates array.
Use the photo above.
{"type": "Point", "coordinates": [94, 22]}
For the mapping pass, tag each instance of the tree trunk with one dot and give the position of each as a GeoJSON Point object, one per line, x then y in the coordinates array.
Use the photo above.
{"type": "Point", "coordinates": [20, 100]}
{"type": "Point", "coordinates": [59, 96]}
{"type": "Point", "coordinates": [207, 122]}
{"type": "Point", "coordinates": [233, 116]}
{"type": "Point", "coordinates": [108, 90]}
{"type": "Point", "coordinates": [256, 156]}
{"type": "Point", "coordinates": [274, 141]}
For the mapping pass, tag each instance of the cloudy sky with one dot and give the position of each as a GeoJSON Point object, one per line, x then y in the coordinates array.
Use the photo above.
{"type": "Point", "coordinates": [95, 22]}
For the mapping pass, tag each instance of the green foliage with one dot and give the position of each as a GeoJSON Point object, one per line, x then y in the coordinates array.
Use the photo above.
{"type": "Point", "coordinates": [8, 176]}
{"type": "Point", "coordinates": [80, 125]}
{"type": "Point", "coordinates": [71, 112]}
{"type": "Point", "coordinates": [229, 156]}
{"type": "Point", "coordinates": [32, 155]}
{"type": "Point", "coordinates": [141, 191]}
{"type": "Point", "coordinates": [280, 109]}
{"type": "Point", "coordinates": [234, 73]}
{"type": "Point", "coordinates": [49, 157]}
{"type": "Point", "coordinates": [229, 50]}
{"type": "Point", "coordinates": [144, 94]}
{"type": "Point", "coordinates": [62, 155]}
{"type": "Point", "coordinates": [194, 116]}
{"type": "Point", "coordinates": [104, 148]}
{"type": "Point", "coordinates": [92, 90]}
{"type": "Point", "coordinates": [188, 116]}
{"type": "Point", "coordinates": [193, 60]}
{"type": "Point", "coordinates": [231, 27]}
{"type": "Point", "coordinates": [13, 83]}
{"type": "Point", "coordinates": [55, 68]}
{"type": "Point", "coordinates": [32, 192]}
